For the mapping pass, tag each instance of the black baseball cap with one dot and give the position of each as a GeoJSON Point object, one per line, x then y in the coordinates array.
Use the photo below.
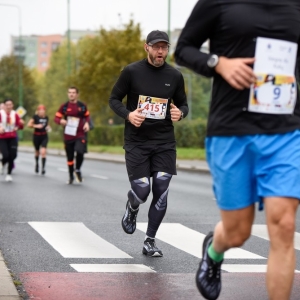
{"type": "Point", "coordinates": [156, 36]}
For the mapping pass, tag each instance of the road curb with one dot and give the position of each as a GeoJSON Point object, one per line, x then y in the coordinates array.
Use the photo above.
{"type": "Point", "coordinates": [117, 159]}
{"type": "Point", "coordinates": [8, 290]}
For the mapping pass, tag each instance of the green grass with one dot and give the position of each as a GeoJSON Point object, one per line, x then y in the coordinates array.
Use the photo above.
{"type": "Point", "coordinates": [182, 153]}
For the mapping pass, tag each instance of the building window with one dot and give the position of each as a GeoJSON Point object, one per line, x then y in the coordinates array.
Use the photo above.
{"type": "Point", "coordinates": [44, 44]}
{"type": "Point", "coordinates": [54, 46]}
{"type": "Point", "coordinates": [44, 54]}
{"type": "Point", "coordinates": [44, 64]}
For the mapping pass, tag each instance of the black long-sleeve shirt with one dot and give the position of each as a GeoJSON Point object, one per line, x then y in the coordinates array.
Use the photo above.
{"type": "Point", "coordinates": [232, 26]}
{"type": "Point", "coordinates": [141, 78]}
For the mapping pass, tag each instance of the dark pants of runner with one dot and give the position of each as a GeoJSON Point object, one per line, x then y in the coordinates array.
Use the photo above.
{"type": "Point", "coordinates": [140, 189]}
{"type": "Point", "coordinates": [9, 148]}
{"type": "Point", "coordinates": [144, 162]}
{"type": "Point", "coordinates": [78, 146]}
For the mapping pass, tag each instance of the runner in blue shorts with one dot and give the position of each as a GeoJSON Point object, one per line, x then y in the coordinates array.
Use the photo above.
{"type": "Point", "coordinates": [253, 137]}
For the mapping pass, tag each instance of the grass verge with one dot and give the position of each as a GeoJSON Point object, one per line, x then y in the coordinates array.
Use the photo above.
{"type": "Point", "coordinates": [182, 153]}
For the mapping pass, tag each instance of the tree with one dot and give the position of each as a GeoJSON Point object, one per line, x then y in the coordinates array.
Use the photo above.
{"type": "Point", "coordinates": [9, 83]}
{"type": "Point", "coordinates": [96, 64]}
{"type": "Point", "coordinates": [52, 87]}
{"type": "Point", "coordinates": [198, 89]}
{"type": "Point", "coordinates": [100, 61]}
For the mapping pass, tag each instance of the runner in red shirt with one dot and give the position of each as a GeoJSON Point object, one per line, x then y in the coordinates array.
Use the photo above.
{"type": "Point", "coordinates": [10, 122]}
{"type": "Point", "coordinates": [74, 117]}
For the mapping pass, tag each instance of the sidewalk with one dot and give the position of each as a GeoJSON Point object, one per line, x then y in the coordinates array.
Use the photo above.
{"type": "Point", "coordinates": [8, 290]}
{"type": "Point", "coordinates": [183, 165]}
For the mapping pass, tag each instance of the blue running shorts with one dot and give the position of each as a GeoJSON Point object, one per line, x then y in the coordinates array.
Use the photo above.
{"type": "Point", "coordinates": [245, 169]}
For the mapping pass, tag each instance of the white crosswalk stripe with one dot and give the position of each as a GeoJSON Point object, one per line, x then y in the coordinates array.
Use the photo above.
{"type": "Point", "coordinates": [75, 240]}
{"type": "Point", "coordinates": [190, 241]}
{"type": "Point", "coordinates": [111, 268]}
{"type": "Point", "coordinates": [261, 231]}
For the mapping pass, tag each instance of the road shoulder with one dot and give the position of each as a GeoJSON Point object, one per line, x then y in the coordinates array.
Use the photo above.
{"type": "Point", "coordinates": [8, 290]}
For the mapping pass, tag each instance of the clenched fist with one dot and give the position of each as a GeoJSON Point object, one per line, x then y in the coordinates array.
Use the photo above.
{"type": "Point", "coordinates": [136, 118]}
{"type": "Point", "coordinates": [175, 113]}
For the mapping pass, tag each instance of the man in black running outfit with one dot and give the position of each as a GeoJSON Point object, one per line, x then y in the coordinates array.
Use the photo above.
{"type": "Point", "coordinates": [149, 134]}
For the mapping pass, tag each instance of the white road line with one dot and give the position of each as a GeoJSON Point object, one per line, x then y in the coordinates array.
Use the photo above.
{"type": "Point", "coordinates": [261, 231]}
{"type": "Point", "coordinates": [99, 176]}
{"type": "Point", "coordinates": [235, 268]}
{"type": "Point", "coordinates": [113, 268]}
{"type": "Point", "coordinates": [62, 170]}
{"type": "Point", "coordinates": [75, 240]}
{"type": "Point", "coordinates": [190, 241]}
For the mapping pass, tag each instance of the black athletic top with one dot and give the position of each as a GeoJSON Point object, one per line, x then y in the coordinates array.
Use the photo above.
{"type": "Point", "coordinates": [39, 120]}
{"type": "Point", "coordinates": [141, 78]}
{"type": "Point", "coordinates": [232, 27]}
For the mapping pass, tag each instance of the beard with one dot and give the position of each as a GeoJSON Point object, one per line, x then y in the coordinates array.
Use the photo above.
{"type": "Point", "coordinates": [155, 61]}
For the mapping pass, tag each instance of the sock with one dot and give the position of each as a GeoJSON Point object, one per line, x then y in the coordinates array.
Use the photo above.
{"type": "Point", "coordinates": [148, 237]}
{"type": "Point", "coordinates": [37, 160]}
{"type": "Point", "coordinates": [71, 171]}
{"type": "Point", "coordinates": [215, 256]}
{"type": "Point", "coordinates": [79, 161]}
{"type": "Point", "coordinates": [43, 162]}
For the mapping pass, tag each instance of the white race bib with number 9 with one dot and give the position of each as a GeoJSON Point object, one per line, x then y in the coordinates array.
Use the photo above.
{"type": "Point", "coordinates": [275, 89]}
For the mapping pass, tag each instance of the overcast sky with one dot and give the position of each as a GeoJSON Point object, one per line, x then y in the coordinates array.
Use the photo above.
{"type": "Point", "coordinates": [50, 16]}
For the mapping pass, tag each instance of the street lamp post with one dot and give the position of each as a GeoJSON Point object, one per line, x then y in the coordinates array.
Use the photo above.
{"type": "Point", "coordinates": [169, 24]}
{"type": "Point", "coordinates": [69, 40]}
{"type": "Point", "coordinates": [19, 52]}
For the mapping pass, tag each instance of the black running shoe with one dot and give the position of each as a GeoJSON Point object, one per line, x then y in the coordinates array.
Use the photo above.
{"type": "Point", "coordinates": [208, 277]}
{"type": "Point", "coordinates": [71, 180]}
{"type": "Point", "coordinates": [78, 176]}
{"type": "Point", "coordinates": [129, 219]}
{"type": "Point", "coordinates": [150, 248]}
{"type": "Point", "coordinates": [36, 168]}
{"type": "Point", "coordinates": [43, 172]}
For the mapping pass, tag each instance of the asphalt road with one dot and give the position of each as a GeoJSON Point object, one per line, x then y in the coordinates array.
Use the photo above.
{"type": "Point", "coordinates": [66, 242]}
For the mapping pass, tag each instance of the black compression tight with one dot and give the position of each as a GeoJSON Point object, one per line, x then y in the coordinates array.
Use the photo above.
{"type": "Point", "coordinates": [160, 188]}
{"type": "Point", "coordinates": [9, 149]}
{"type": "Point", "coordinates": [70, 152]}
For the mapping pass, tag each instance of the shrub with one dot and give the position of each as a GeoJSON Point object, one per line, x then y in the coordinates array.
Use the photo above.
{"type": "Point", "coordinates": [190, 134]}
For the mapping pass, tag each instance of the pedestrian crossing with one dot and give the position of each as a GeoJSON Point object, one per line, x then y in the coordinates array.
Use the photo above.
{"type": "Point", "coordinates": [188, 240]}
{"type": "Point", "coordinates": [74, 240]}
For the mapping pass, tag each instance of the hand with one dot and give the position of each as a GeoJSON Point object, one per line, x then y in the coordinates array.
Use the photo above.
{"type": "Point", "coordinates": [63, 122]}
{"type": "Point", "coordinates": [2, 130]}
{"type": "Point", "coordinates": [86, 127]}
{"type": "Point", "coordinates": [48, 128]}
{"type": "Point", "coordinates": [39, 126]}
{"type": "Point", "coordinates": [236, 71]}
{"type": "Point", "coordinates": [175, 113]}
{"type": "Point", "coordinates": [135, 117]}
{"type": "Point", "coordinates": [22, 122]}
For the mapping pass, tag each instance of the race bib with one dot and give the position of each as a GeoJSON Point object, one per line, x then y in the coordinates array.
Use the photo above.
{"type": "Point", "coordinates": [72, 126]}
{"type": "Point", "coordinates": [275, 89]}
{"type": "Point", "coordinates": [153, 108]}
{"type": "Point", "coordinates": [9, 128]}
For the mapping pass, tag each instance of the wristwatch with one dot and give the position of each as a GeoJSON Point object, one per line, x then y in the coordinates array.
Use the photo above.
{"type": "Point", "coordinates": [213, 61]}
{"type": "Point", "coordinates": [181, 116]}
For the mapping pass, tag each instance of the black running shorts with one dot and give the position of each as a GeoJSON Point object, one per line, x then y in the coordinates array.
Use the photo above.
{"type": "Point", "coordinates": [77, 145]}
{"type": "Point", "coordinates": [143, 160]}
{"type": "Point", "coordinates": [40, 141]}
